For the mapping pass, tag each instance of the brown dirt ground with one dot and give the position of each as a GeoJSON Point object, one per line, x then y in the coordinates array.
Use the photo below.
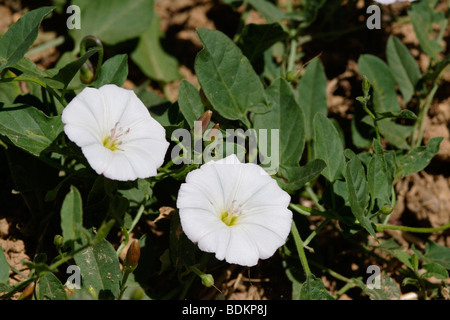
{"type": "Point", "coordinates": [423, 198]}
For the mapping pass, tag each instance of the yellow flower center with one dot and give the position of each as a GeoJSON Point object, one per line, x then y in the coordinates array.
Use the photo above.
{"type": "Point", "coordinates": [231, 216]}
{"type": "Point", "coordinates": [228, 219]}
{"type": "Point", "coordinates": [112, 142]}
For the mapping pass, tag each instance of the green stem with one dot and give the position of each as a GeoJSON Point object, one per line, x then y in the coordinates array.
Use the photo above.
{"type": "Point", "coordinates": [381, 227]}
{"type": "Point", "coordinates": [333, 273]}
{"type": "Point", "coordinates": [300, 209]}
{"type": "Point", "coordinates": [126, 273]}
{"type": "Point", "coordinates": [300, 249]}
{"type": "Point", "coordinates": [370, 113]}
{"type": "Point", "coordinates": [306, 211]}
{"type": "Point", "coordinates": [64, 259]}
{"type": "Point", "coordinates": [314, 197]}
{"type": "Point", "coordinates": [422, 114]}
{"type": "Point", "coordinates": [344, 289]}
{"type": "Point", "coordinates": [315, 232]}
{"type": "Point", "coordinates": [133, 224]}
{"type": "Point", "coordinates": [292, 55]}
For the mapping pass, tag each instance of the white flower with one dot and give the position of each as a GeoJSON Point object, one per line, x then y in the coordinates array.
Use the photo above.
{"type": "Point", "coordinates": [116, 133]}
{"type": "Point", "coordinates": [235, 210]}
{"type": "Point", "coordinates": [392, 1]}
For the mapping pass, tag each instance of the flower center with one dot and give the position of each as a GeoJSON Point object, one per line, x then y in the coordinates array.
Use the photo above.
{"type": "Point", "coordinates": [231, 216]}
{"type": "Point", "coordinates": [112, 141]}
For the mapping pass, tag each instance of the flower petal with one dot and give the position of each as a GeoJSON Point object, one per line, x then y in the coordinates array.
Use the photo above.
{"type": "Point", "coordinates": [83, 135]}
{"type": "Point", "coordinates": [207, 181]}
{"type": "Point", "coordinates": [242, 248]}
{"type": "Point", "coordinates": [266, 242]}
{"type": "Point", "coordinates": [98, 157]}
{"type": "Point", "coordinates": [117, 101]}
{"type": "Point", "coordinates": [191, 196]}
{"type": "Point", "coordinates": [86, 108]}
{"type": "Point", "coordinates": [120, 168]}
{"type": "Point", "coordinates": [217, 240]}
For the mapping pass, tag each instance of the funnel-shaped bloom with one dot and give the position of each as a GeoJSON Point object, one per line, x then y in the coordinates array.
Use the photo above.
{"type": "Point", "coordinates": [235, 210]}
{"type": "Point", "coordinates": [116, 133]}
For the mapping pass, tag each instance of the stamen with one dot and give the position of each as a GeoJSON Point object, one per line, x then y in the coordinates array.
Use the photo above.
{"type": "Point", "coordinates": [231, 216]}
{"type": "Point", "coordinates": [235, 208]}
{"type": "Point", "coordinates": [112, 142]}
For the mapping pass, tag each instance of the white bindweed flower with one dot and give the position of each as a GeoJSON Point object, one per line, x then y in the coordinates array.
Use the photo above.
{"type": "Point", "coordinates": [234, 209]}
{"type": "Point", "coordinates": [116, 133]}
{"type": "Point", "coordinates": [392, 1]}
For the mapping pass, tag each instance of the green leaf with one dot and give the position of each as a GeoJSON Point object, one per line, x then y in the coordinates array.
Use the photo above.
{"type": "Point", "coordinates": [150, 56]}
{"type": "Point", "coordinates": [355, 171]}
{"type": "Point", "coordinates": [286, 116]}
{"type": "Point", "coordinates": [418, 158]}
{"type": "Point", "coordinates": [395, 133]}
{"type": "Point", "coordinates": [294, 178]}
{"type": "Point", "coordinates": [437, 253]}
{"type": "Point", "coordinates": [100, 269]}
{"type": "Point", "coordinates": [422, 22]}
{"type": "Point", "coordinates": [358, 193]}
{"type": "Point", "coordinates": [113, 71]}
{"type": "Point", "coordinates": [72, 216]}
{"type": "Point", "coordinates": [66, 74]}
{"type": "Point", "coordinates": [403, 66]}
{"type": "Point", "coordinates": [388, 290]}
{"type": "Point", "coordinates": [4, 268]}
{"type": "Point", "coordinates": [9, 90]}
{"type": "Point", "coordinates": [112, 21]}
{"type": "Point", "coordinates": [378, 180]}
{"type": "Point", "coordinates": [404, 114]}
{"type": "Point", "coordinates": [227, 77]}
{"type": "Point", "coordinates": [394, 249]}
{"type": "Point", "coordinates": [328, 147]}
{"type": "Point", "coordinates": [384, 98]}
{"type": "Point", "coordinates": [314, 289]}
{"type": "Point", "coordinates": [31, 71]}
{"type": "Point", "coordinates": [380, 173]}
{"type": "Point", "coordinates": [29, 128]}
{"type": "Point", "coordinates": [435, 270]}
{"type": "Point", "coordinates": [255, 39]}
{"type": "Point", "coordinates": [268, 10]}
{"type": "Point", "coordinates": [50, 288]}
{"type": "Point", "coordinates": [312, 95]}
{"type": "Point", "coordinates": [309, 10]}
{"type": "Point", "coordinates": [382, 81]}
{"type": "Point", "coordinates": [20, 36]}
{"type": "Point", "coordinates": [190, 102]}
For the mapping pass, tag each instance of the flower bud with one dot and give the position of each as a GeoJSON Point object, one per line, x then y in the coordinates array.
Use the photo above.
{"type": "Point", "coordinates": [92, 292]}
{"type": "Point", "coordinates": [58, 241]}
{"type": "Point", "coordinates": [213, 133]}
{"type": "Point", "coordinates": [293, 76]}
{"type": "Point", "coordinates": [205, 118]}
{"type": "Point", "coordinates": [207, 280]}
{"type": "Point", "coordinates": [27, 292]}
{"type": "Point", "coordinates": [365, 86]}
{"type": "Point", "coordinates": [132, 257]}
{"type": "Point", "coordinates": [137, 294]}
{"type": "Point", "coordinates": [87, 72]}
{"type": "Point", "coordinates": [386, 209]}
